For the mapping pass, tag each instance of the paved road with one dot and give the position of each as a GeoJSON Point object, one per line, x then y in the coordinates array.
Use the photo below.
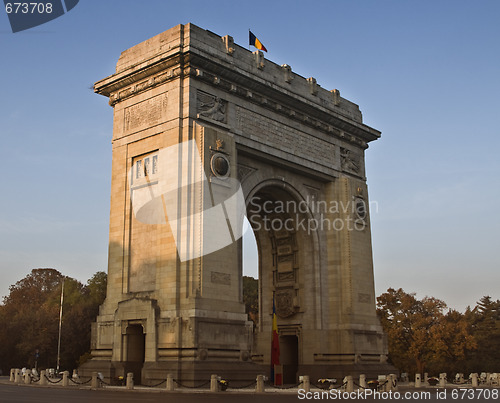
{"type": "Point", "coordinates": [10, 393]}
{"type": "Point", "coordinates": [33, 394]}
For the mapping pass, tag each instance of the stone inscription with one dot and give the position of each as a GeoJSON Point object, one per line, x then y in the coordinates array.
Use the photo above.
{"type": "Point", "coordinates": [145, 114]}
{"type": "Point", "coordinates": [285, 138]}
{"type": "Point", "coordinates": [221, 278]}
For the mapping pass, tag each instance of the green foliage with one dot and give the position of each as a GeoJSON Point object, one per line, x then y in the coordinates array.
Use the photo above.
{"type": "Point", "coordinates": [30, 319]}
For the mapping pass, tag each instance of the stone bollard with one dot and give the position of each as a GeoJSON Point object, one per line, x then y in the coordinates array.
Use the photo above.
{"type": "Point", "coordinates": [17, 375]}
{"type": "Point", "coordinates": [214, 383]}
{"type": "Point", "coordinates": [461, 378]}
{"type": "Point", "coordinates": [306, 383]}
{"type": "Point", "coordinates": [170, 382]}
{"type": "Point", "coordinates": [27, 377]}
{"type": "Point", "coordinates": [259, 388]}
{"type": "Point", "coordinates": [43, 378]}
{"type": "Point", "coordinates": [130, 380]}
{"type": "Point", "coordinates": [442, 380]}
{"type": "Point", "coordinates": [426, 378]}
{"type": "Point", "coordinates": [75, 375]}
{"type": "Point", "coordinates": [350, 384]}
{"type": "Point", "coordinates": [95, 383]}
{"type": "Point", "coordinates": [392, 382]}
{"type": "Point", "coordinates": [65, 378]}
{"type": "Point", "coordinates": [11, 379]}
{"type": "Point", "coordinates": [362, 381]}
{"type": "Point", "coordinates": [475, 383]}
{"type": "Point", "coordinates": [418, 380]}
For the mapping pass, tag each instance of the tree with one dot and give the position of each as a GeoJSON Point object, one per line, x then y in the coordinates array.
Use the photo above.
{"type": "Point", "coordinates": [408, 323]}
{"type": "Point", "coordinates": [251, 297]}
{"type": "Point", "coordinates": [30, 319]}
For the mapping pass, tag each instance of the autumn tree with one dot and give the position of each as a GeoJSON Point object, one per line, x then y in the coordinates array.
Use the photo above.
{"type": "Point", "coordinates": [251, 297]}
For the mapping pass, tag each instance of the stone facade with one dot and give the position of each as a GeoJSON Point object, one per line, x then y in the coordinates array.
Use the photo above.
{"type": "Point", "coordinates": [286, 140]}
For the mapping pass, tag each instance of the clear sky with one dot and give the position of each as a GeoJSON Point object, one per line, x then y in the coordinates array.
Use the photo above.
{"type": "Point", "coordinates": [425, 73]}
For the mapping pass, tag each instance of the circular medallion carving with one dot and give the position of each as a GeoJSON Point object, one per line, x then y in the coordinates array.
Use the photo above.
{"type": "Point", "coordinates": [360, 208]}
{"type": "Point", "coordinates": [220, 165]}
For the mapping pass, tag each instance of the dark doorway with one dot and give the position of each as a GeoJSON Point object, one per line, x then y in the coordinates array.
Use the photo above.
{"type": "Point", "coordinates": [289, 358]}
{"type": "Point", "coordinates": [136, 348]}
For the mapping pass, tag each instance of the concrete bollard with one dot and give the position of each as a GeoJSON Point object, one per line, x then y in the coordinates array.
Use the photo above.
{"type": "Point", "coordinates": [259, 388]}
{"type": "Point", "coordinates": [306, 383]}
{"type": "Point", "coordinates": [418, 380]}
{"type": "Point", "coordinates": [362, 381]}
{"type": "Point", "coordinates": [170, 382]}
{"type": "Point", "coordinates": [442, 380]}
{"type": "Point", "coordinates": [214, 384]}
{"type": "Point", "coordinates": [475, 383]}
{"type": "Point", "coordinates": [27, 377]}
{"type": "Point", "coordinates": [130, 380]}
{"type": "Point", "coordinates": [350, 384]}
{"type": "Point", "coordinates": [17, 375]}
{"type": "Point", "coordinates": [43, 377]}
{"type": "Point", "coordinates": [65, 379]}
{"type": "Point", "coordinates": [11, 379]}
{"type": "Point", "coordinates": [95, 383]}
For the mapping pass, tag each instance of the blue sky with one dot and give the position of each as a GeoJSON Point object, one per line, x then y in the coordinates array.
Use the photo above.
{"type": "Point", "coordinates": [425, 73]}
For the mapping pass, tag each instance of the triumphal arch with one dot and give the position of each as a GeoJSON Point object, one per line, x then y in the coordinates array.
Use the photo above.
{"type": "Point", "coordinates": [206, 132]}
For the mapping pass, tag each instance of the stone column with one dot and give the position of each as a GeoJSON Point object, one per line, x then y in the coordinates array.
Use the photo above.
{"type": "Point", "coordinates": [475, 383]}
{"type": "Point", "coordinates": [306, 384]}
{"type": "Point", "coordinates": [130, 380]}
{"type": "Point", "coordinates": [170, 382]}
{"type": "Point", "coordinates": [65, 379]}
{"type": "Point", "coordinates": [214, 384]}
{"type": "Point", "coordinates": [259, 388]}
{"type": "Point", "coordinates": [27, 377]}
{"type": "Point", "coordinates": [362, 381]}
{"type": "Point", "coordinates": [43, 377]}
{"type": "Point", "coordinates": [350, 384]}
{"type": "Point", "coordinates": [442, 379]}
{"type": "Point", "coordinates": [95, 383]}
{"type": "Point", "coordinates": [17, 375]}
{"type": "Point", "coordinates": [418, 380]}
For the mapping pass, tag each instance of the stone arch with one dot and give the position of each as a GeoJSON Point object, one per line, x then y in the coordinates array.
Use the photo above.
{"type": "Point", "coordinates": [289, 262]}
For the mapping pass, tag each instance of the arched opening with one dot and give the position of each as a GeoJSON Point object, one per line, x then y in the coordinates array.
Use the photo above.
{"type": "Point", "coordinates": [285, 252]}
{"type": "Point", "coordinates": [135, 341]}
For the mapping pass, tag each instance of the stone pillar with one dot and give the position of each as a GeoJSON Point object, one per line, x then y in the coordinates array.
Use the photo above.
{"type": "Point", "coordinates": [259, 388]}
{"type": "Point", "coordinates": [17, 375]}
{"type": "Point", "coordinates": [418, 380]}
{"type": "Point", "coordinates": [130, 380]}
{"type": "Point", "coordinates": [488, 380]}
{"type": "Point", "coordinates": [27, 377]}
{"type": "Point", "coordinates": [65, 380]}
{"type": "Point", "coordinates": [214, 384]}
{"type": "Point", "coordinates": [426, 379]}
{"type": "Point", "coordinates": [475, 383]}
{"type": "Point", "coordinates": [362, 381]}
{"type": "Point", "coordinates": [350, 384]}
{"type": "Point", "coordinates": [75, 375]}
{"type": "Point", "coordinates": [170, 382]}
{"type": "Point", "coordinates": [43, 378]}
{"type": "Point", "coordinates": [442, 379]}
{"type": "Point", "coordinates": [12, 372]}
{"type": "Point", "coordinates": [95, 383]}
{"type": "Point", "coordinates": [306, 383]}
{"type": "Point", "coordinates": [461, 378]}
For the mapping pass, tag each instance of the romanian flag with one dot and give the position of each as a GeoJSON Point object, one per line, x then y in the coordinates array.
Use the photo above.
{"type": "Point", "coordinates": [275, 349]}
{"type": "Point", "coordinates": [255, 42]}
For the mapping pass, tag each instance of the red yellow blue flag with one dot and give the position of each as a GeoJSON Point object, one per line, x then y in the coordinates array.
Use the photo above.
{"type": "Point", "coordinates": [255, 42]}
{"type": "Point", "coordinates": [275, 349]}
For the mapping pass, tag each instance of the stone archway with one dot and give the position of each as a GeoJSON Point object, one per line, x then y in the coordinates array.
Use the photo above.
{"type": "Point", "coordinates": [288, 255]}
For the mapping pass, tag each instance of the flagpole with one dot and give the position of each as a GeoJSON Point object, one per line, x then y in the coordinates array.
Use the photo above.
{"type": "Point", "coordinates": [60, 327]}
